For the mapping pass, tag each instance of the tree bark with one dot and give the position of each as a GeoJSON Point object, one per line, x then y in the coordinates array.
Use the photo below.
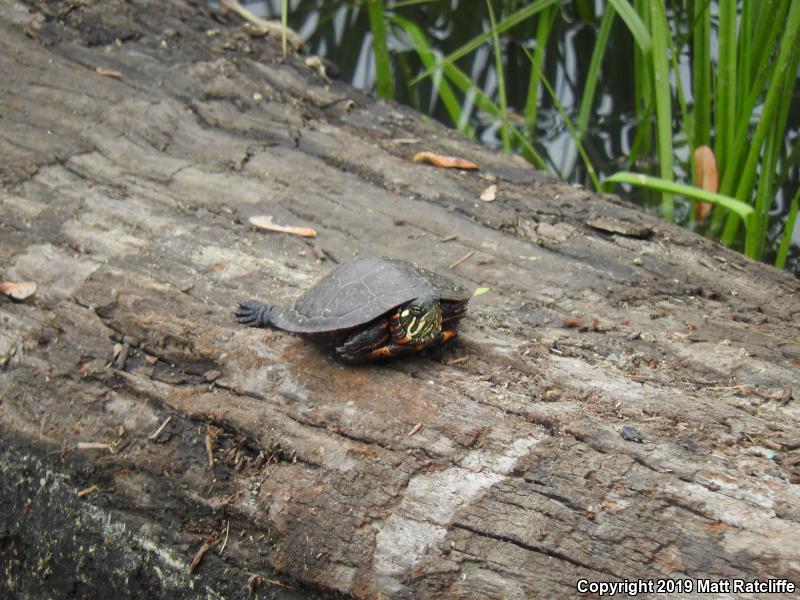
{"type": "Point", "coordinates": [139, 423]}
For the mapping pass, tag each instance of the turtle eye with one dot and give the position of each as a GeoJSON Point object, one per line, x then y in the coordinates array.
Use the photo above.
{"type": "Point", "coordinates": [416, 310]}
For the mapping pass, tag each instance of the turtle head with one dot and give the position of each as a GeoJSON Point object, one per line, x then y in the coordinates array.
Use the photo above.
{"type": "Point", "coordinates": [417, 322]}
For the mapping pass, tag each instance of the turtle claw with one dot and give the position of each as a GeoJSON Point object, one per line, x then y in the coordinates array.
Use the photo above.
{"type": "Point", "coordinates": [254, 313]}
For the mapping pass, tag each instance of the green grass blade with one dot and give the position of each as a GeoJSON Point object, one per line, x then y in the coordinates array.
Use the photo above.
{"type": "Point", "coordinates": [786, 63]}
{"type": "Point", "coordinates": [441, 87]}
{"type": "Point", "coordinates": [788, 230]}
{"type": "Point", "coordinates": [383, 63]}
{"type": "Point", "coordinates": [501, 80]}
{"type": "Point", "coordinates": [660, 31]}
{"type": "Point", "coordinates": [747, 27]}
{"type": "Point", "coordinates": [593, 75]}
{"type": "Point", "coordinates": [544, 26]}
{"type": "Point", "coordinates": [459, 79]}
{"type": "Point", "coordinates": [643, 92]}
{"type": "Point", "coordinates": [573, 132]}
{"type": "Point", "coordinates": [701, 74]}
{"type": "Point", "coordinates": [284, 24]}
{"type": "Point", "coordinates": [745, 211]}
{"type": "Point", "coordinates": [761, 49]}
{"type": "Point", "coordinates": [769, 166]}
{"type": "Point", "coordinates": [510, 21]}
{"type": "Point", "coordinates": [635, 25]}
{"type": "Point", "coordinates": [726, 85]}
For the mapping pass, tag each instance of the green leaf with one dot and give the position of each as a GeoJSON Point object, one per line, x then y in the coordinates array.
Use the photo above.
{"type": "Point", "coordinates": [791, 219]}
{"type": "Point", "coordinates": [507, 23]}
{"type": "Point", "coordinates": [480, 291]}
{"type": "Point", "coordinates": [635, 24]}
{"type": "Point", "coordinates": [660, 31]}
{"type": "Point", "coordinates": [383, 64]}
{"type": "Point", "coordinates": [745, 211]}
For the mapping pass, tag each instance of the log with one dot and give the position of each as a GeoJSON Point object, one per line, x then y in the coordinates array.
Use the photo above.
{"type": "Point", "coordinates": [621, 405]}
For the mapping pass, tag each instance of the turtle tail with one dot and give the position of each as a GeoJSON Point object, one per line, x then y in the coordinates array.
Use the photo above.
{"type": "Point", "coordinates": [255, 313]}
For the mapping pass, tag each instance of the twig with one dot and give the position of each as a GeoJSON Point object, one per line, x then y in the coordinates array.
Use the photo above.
{"type": "Point", "coordinates": [95, 446]}
{"type": "Point", "coordinates": [158, 431]}
{"type": "Point", "coordinates": [416, 428]}
{"type": "Point", "coordinates": [263, 24]}
{"type": "Point", "coordinates": [462, 259]}
{"type": "Point", "coordinates": [210, 435]}
{"type": "Point", "coordinates": [227, 530]}
{"type": "Point", "coordinates": [86, 491]}
{"type": "Point", "coordinates": [457, 361]}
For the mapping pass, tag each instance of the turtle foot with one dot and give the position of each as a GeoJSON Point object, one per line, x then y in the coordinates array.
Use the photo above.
{"type": "Point", "coordinates": [254, 313]}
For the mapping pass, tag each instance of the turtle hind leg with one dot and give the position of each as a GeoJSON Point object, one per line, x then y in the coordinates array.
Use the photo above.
{"type": "Point", "coordinates": [358, 347]}
{"type": "Point", "coordinates": [254, 313]}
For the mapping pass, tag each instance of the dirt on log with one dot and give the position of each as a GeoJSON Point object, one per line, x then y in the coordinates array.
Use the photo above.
{"type": "Point", "coordinates": [151, 447]}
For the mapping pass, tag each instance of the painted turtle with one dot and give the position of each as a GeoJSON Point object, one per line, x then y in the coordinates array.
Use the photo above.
{"type": "Point", "coordinates": [369, 308]}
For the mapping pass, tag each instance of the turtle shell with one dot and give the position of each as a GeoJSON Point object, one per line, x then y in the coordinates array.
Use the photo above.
{"type": "Point", "coordinates": [361, 290]}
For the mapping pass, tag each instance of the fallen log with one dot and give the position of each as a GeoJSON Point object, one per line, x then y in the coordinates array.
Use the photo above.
{"type": "Point", "coordinates": [622, 403]}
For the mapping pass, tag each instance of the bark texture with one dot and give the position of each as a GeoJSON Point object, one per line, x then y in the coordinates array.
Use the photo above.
{"type": "Point", "coordinates": [493, 468]}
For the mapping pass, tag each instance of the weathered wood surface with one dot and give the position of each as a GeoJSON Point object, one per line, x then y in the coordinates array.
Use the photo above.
{"type": "Point", "coordinates": [127, 201]}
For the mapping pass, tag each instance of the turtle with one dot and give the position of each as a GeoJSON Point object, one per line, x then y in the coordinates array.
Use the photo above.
{"type": "Point", "coordinates": [369, 308]}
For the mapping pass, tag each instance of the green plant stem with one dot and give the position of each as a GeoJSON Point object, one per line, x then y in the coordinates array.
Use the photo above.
{"type": "Point", "coordinates": [510, 21]}
{"type": "Point", "coordinates": [726, 86]}
{"type": "Point", "coordinates": [701, 74]}
{"type": "Point", "coordinates": [544, 26]}
{"type": "Point", "coordinates": [573, 132]}
{"type": "Point", "coordinates": [284, 24]}
{"type": "Point", "coordinates": [593, 75]}
{"type": "Point", "coordinates": [440, 85]}
{"type": "Point", "coordinates": [636, 25]}
{"type": "Point", "coordinates": [788, 230]}
{"type": "Point", "coordinates": [501, 81]}
{"type": "Point", "coordinates": [383, 63]}
{"type": "Point", "coordinates": [787, 62]}
{"type": "Point", "coordinates": [659, 31]}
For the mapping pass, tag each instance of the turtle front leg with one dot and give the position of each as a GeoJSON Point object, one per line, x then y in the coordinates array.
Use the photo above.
{"type": "Point", "coordinates": [394, 349]}
{"type": "Point", "coordinates": [359, 346]}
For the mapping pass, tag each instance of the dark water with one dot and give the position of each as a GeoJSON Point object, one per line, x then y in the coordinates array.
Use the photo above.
{"type": "Point", "coordinates": [340, 31]}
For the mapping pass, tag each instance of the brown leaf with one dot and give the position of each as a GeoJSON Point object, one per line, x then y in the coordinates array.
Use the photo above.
{"type": "Point", "coordinates": [18, 291]}
{"type": "Point", "coordinates": [265, 222]}
{"type": "Point", "coordinates": [489, 194]}
{"type": "Point", "coordinates": [445, 162]}
{"type": "Point", "coordinates": [705, 167]}
{"type": "Point", "coordinates": [572, 322]}
{"type": "Point", "coordinates": [110, 73]}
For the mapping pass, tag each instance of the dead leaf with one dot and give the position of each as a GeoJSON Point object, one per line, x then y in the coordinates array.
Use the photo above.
{"type": "Point", "coordinates": [572, 322]}
{"type": "Point", "coordinates": [198, 557]}
{"type": "Point", "coordinates": [110, 73]}
{"type": "Point", "coordinates": [489, 194]}
{"type": "Point", "coordinates": [265, 222]}
{"type": "Point", "coordinates": [445, 162]}
{"type": "Point", "coordinates": [705, 167]}
{"type": "Point", "coordinates": [18, 291]}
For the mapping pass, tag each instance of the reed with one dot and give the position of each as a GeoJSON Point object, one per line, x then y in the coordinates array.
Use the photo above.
{"type": "Point", "coordinates": [737, 100]}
